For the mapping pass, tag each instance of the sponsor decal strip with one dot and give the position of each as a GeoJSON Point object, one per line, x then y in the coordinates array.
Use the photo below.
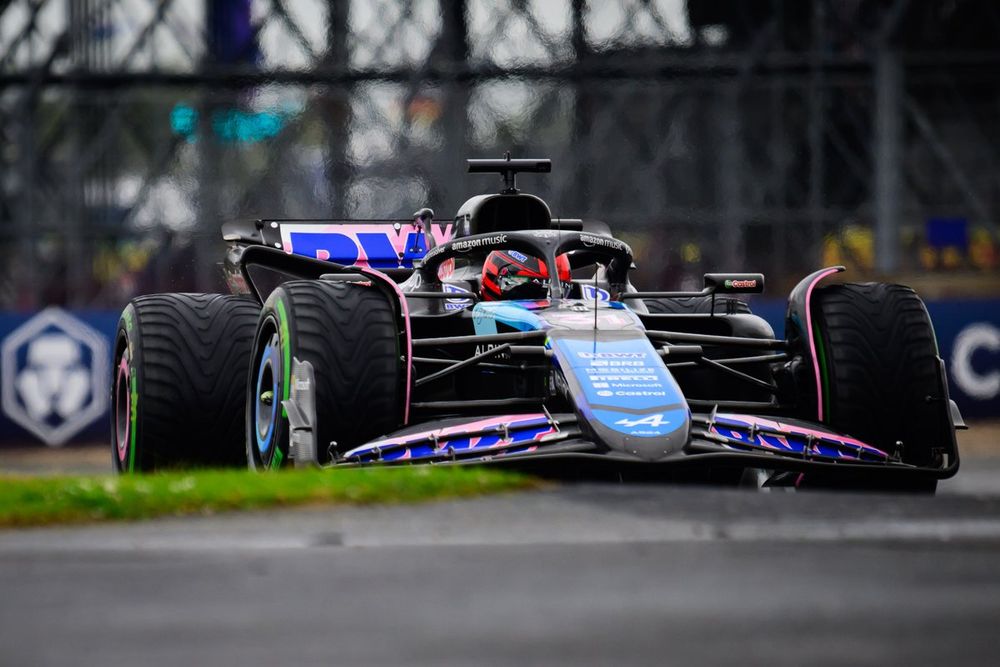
{"type": "Point", "coordinates": [625, 385]}
{"type": "Point", "coordinates": [471, 244]}
{"type": "Point", "coordinates": [373, 244]}
{"type": "Point", "coordinates": [605, 242]}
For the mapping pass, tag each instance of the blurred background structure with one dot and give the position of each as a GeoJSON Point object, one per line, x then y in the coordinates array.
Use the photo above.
{"type": "Point", "coordinates": [772, 135]}
{"type": "Point", "coordinates": [728, 135]}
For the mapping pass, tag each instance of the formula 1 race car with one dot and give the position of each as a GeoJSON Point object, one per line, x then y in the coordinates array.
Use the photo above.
{"type": "Point", "coordinates": [363, 342]}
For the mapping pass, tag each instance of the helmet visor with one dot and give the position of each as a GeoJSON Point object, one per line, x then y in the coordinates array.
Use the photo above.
{"type": "Point", "coordinates": [523, 287]}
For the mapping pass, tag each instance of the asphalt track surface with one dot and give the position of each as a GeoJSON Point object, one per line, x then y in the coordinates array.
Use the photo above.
{"type": "Point", "coordinates": [574, 575]}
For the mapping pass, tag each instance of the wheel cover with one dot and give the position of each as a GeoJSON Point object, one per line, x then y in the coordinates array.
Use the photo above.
{"type": "Point", "coordinates": [266, 397]}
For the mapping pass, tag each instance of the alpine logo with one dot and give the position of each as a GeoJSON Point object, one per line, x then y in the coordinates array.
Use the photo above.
{"type": "Point", "coordinates": [655, 421]}
{"type": "Point", "coordinates": [482, 349]}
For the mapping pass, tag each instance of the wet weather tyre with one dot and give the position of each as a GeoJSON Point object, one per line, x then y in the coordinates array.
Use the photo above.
{"type": "Point", "coordinates": [696, 304]}
{"type": "Point", "coordinates": [178, 381]}
{"type": "Point", "coordinates": [879, 368]}
{"type": "Point", "coordinates": [350, 334]}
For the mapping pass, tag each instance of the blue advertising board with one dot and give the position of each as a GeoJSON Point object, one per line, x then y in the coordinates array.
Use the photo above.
{"type": "Point", "coordinates": [55, 367]}
{"type": "Point", "coordinates": [55, 371]}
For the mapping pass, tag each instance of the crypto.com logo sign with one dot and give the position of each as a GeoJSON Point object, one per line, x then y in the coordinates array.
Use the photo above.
{"type": "Point", "coordinates": [983, 384]}
{"type": "Point", "coordinates": [53, 376]}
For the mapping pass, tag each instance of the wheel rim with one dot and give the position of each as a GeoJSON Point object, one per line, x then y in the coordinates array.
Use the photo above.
{"type": "Point", "coordinates": [264, 402]}
{"type": "Point", "coordinates": [123, 409]}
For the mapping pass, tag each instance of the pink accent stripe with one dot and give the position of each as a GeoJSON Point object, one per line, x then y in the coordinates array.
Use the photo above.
{"type": "Point", "coordinates": [457, 429]}
{"type": "Point", "coordinates": [123, 376]}
{"type": "Point", "coordinates": [405, 309]}
{"type": "Point", "coordinates": [792, 429]}
{"type": "Point", "coordinates": [812, 341]}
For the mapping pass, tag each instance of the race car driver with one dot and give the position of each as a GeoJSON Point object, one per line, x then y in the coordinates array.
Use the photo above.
{"type": "Point", "coordinates": [511, 275]}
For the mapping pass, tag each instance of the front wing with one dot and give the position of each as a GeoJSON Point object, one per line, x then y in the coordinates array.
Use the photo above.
{"type": "Point", "coordinates": [723, 440]}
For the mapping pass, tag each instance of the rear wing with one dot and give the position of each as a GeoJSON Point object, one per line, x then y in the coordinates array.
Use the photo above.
{"type": "Point", "coordinates": [377, 244]}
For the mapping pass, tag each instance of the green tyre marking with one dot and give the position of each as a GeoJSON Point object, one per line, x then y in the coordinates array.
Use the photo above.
{"type": "Point", "coordinates": [823, 372]}
{"type": "Point", "coordinates": [277, 457]}
{"type": "Point", "coordinates": [128, 316]}
{"type": "Point", "coordinates": [286, 352]}
{"type": "Point", "coordinates": [133, 419]}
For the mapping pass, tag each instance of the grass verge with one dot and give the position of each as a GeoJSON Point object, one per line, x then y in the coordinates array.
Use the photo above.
{"type": "Point", "coordinates": [62, 500]}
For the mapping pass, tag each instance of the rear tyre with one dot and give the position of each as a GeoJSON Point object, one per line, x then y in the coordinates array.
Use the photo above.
{"type": "Point", "coordinates": [724, 305]}
{"type": "Point", "coordinates": [177, 385]}
{"type": "Point", "coordinates": [879, 372]}
{"type": "Point", "coordinates": [348, 332]}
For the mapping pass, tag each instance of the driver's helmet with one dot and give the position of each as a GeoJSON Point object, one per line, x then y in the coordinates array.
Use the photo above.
{"type": "Point", "coordinates": [509, 274]}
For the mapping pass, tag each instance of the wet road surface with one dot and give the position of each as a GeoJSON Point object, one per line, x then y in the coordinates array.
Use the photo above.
{"type": "Point", "coordinates": [575, 575]}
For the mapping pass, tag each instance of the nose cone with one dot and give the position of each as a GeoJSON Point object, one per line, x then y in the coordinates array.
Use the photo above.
{"type": "Point", "coordinates": [654, 449]}
{"type": "Point", "coordinates": [649, 437]}
{"type": "Point", "coordinates": [623, 393]}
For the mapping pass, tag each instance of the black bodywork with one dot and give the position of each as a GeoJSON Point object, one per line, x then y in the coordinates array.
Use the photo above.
{"type": "Point", "coordinates": [724, 361]}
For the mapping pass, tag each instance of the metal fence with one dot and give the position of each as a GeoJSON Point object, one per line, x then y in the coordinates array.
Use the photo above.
{"type": "Point", "coordinates": [743, 135]}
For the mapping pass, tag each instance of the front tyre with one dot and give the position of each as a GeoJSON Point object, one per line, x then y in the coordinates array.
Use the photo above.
{"type": "Point", "coordinates": [879, 369]}
{"type": "Point", "coordinates": [177, 386]}
{"type": "Point", "coordinates": [349, 333]}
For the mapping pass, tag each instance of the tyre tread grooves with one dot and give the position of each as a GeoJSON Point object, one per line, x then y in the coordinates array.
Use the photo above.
{"type": "Point", "coordinates": [882, 366]}
{"type": "Point", "coordinates": [195, 351]}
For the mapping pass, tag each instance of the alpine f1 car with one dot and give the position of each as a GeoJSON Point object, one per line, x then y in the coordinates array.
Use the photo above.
{"type": "Point", "coordinates": [388, 342]}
